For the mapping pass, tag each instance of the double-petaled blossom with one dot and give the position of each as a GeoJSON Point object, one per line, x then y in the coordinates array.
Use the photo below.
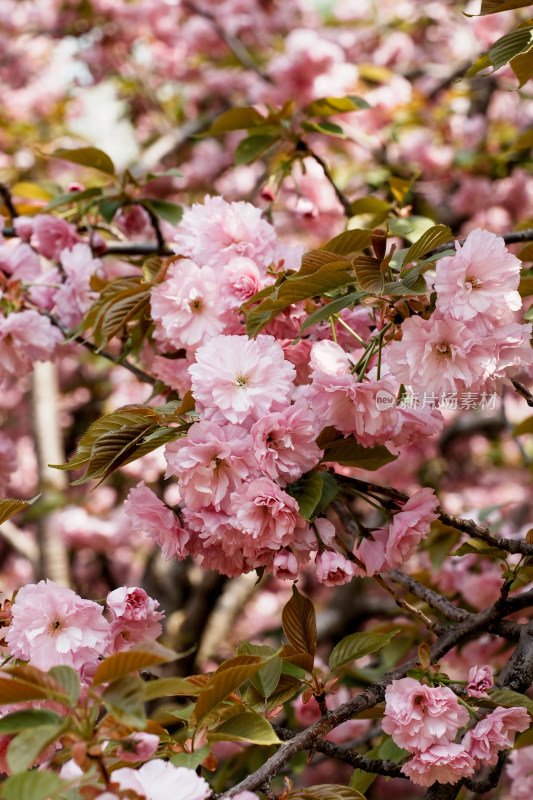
{"type": "Point", "coordinates": [236, 379]}
{"type": "Point", "coordinates": [441, 763]}
{"type": "Point", "coordinates": [479, 680]}
{"type": "Point", "coordinates": [52, 625]}
{"type": "Point", "coordinates": [148, 514]}
{"type": "Point", "coordinates": [419, 716]}
{"type": "Point", "coordinates": [159, 780]}
{"type": "Point", "coordinates": [135, 617]}
{"type": "Point", "coordinates": [333, 569]}
{"type": "Point", "coordinates": [481, 278]}
{"type": "Point", "coordinates": [495, 732]}
{"type": "Point", "coordinates": [25, 337]}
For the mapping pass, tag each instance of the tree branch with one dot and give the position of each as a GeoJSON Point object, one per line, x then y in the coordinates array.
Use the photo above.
{"type": "Point", "coordinates": [341, 197]}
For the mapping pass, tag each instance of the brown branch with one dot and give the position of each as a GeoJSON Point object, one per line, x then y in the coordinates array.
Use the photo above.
{"type": "Point", "coordinates": [235, 45]}
{"type": "Point", "coordinates": [5, 194]}
{"type": "Point", "coordinates": [375, 765]}
{"type": "Point", "coordinates": [514, 237]}
{"type": "Point", "coordinates": [524, 391]}
{"type": "Point", "coordinates": [491, 780]}
{"type": "Point", "coordinates": [140, 374]}
{"type": "Point", "coordinates": [370, 697]}
{"type": "Point", "coordinates": [341, 197]}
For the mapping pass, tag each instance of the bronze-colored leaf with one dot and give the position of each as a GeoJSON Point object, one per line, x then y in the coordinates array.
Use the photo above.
{"type": "Point", "coordinates": [299, 623]}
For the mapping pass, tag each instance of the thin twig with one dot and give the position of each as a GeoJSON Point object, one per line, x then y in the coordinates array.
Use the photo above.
{"type": "Point", "coordinates": [140, 374]}
{"type": "Point", "coordinates": [5, 194]}
{"type": "Point", "coordinates": [341, 197]}
{"type": "Point", "coordinates": [434, 627]}
{"type": "Point", "coordinates": [513, 237]}
{"type": "Point", "coordinates": [522, 390]}
{"type": "Point", "coordinates": [235, 45]}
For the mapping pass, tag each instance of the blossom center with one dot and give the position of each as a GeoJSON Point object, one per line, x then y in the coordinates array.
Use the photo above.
{"type": "Point", "coordinates": [241, 380]}
{"type": "Point", "coordinates": [444, 350]}
{"type": "Point", "coordinates": [55, 626]}
{"type": "Point", "coordinates": [472, 283]}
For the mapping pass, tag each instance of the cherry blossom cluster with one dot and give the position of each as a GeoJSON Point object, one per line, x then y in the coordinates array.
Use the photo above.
{"type": "Point", "coordinates": [425, 720]}
{"type": "Point", "coordinates": [51, 625]}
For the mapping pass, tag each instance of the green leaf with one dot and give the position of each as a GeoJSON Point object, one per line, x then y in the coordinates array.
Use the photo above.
{"type": "Point", "coordinates": [509, 46]}
{"type": "Point", "coordinates": [26, 746]}
{"type": "Point", "coordinates": [313, 261]}
{"type": "Point", "coordinates": [326, 791]}
{"type": "Point", "coordinates": [299, 623]}
{"type": "Point", "coordinates": [87, 157]}
{"type": "Point", "coordinates": [252, 147]}
{"type": "Point", "coordinates": [229, 676]}
{"type": "Point", "coordinates": [267, 678]}
{"type": "Point", "coordinates": [348, 242]}
{"type": "Point", "coordinates": [171, 212]}
{"type": "Point", "coordinates": [73, 197]}
{"type": "Point", "coordinates": [329, 128]}
{"type": "Point", "coordinates": [190, 760]}
{"type": "Point", "coordinates": [125, 699]}
{"type": "Point", "coordinates": [508, 699]}
{"type": "Point", "coordinates": [480, 548]}
{"type": "Point", "coordinates": [390, 751]}
{"type": "Point", "coordinates": [170, 687]}
{"type": "Point", "coordinates": [371, 205]}
{"type": "Point", "coordinates": [140, 656]}
{"type": "Point", "coordinates": [236, 119]}
{"type": "Point", "coordinates": [435, 236]}
{"type": "Point", "coordinates": [357, 645]}
{"type": "Point", "coordinates": [526, 426]}
{"type": "Point", "coordinates": [173, 172]}
{"type": "Point", "coordinates": [327, 310]}
{"type": "Point", "coordinates": [496, 6]}
{"type": "Point", "coordinates": [29, 718]}
{"type": "Point", "coordinates": [313, 492]}
{"type": "Point", "coordinates": [10, 507]}
{"type": "Point", "coordinates": [108, 208]}
{"type": "Point", "coordinates": [410, 228]}
{"type": "Point", "coordinates": [326, 106]}
{"type": "Point", "coordinates": [369, 275]}
{"type": "Point", "coordinates": [522, 66]}
{"type": "Point", "coordinates": [69, 679]}
{"type": "Point", "coordinates": [34, 785]}
{"type": "Point", "coordinates": [14, 690]}
{"type": "Point", "coordinates": [246, 727]}
{"type": "Point", "coordinates": [349, 453]}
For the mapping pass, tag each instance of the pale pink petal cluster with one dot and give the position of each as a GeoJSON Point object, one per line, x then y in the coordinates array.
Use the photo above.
{"type": "Point", "coordinates": [160, 780]}
{"type": "Point", "coordinates": [186, 306]}
{"type": "Point", "coordinates": [495, 732]}
{"type": "Point", "coordinates": [240, 280]}
{"type": "Point", "coordinates": [284, 442]}
{"type": "Point", "coordinates": [211, 462]}
{"type": "Point", "coordinates": [134, 617]}
{"type": "Point", "coordinates": [440, 763]}
{"type": "Point", "coordinates": [137, 747]}
{"type": "Point", "coordinates": [409, 526]}
{"type": "Point", "coordinates": [215, 232]}
{"type": "Point", "coordinates": [74, 296]}
{"type": "Point", "coordinates": [333, 569]}
{"type": "Point", "coordinates": [419, 716]}
{"type": "Point", "coordinates": [25, 337]}
{"type": "Point", "coordinates": [151, 516]}
{"type": "Point", "coordinates": [482, 278]}
{"type": "Point", "coordinates": [51, 235]}
{"type": "Point", "coordinates": [519, 769]}
{"type": "Point", "coordinates": [237, 379]}
{"type": "Point", "coordinates": [479, 680]}
{"type": "Point", "coordinates": [52, 625]}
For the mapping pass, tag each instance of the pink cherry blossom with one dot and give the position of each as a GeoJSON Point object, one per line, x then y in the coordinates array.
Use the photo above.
{"type": "Point", "coordinates": [418, 716]}
{"type": "Point", "coordinates": [52, 235]}
{"type": "Point", "coordinates": [371, 550]}
{"type": "Point", "coordinates": [74, 296]}
{"type": "Point", "coordinates": [159, 780]}
{"type": "Point", "coordinates": [267, 515]}
{"type": "Point", "coordinates": [211, 462]}
{"type": "Point", "coordinates": [284, 443]}
{"type": "Point", "coordinates": [240, 280]}
{"type": "Point", "coordinates": [409, 526]}
{"type": "Point", "coordinates": [236, 379]}
{"type": "Point", "coordinates": [440, 763]}
{"type": "Point", "coordinates": [333, 569]}
{"type": "Point", "coordinates": [22, 262]}
{"type": "Point", "coordinates": [51, 625]}
{"type": "Point", "coordinates": [135, 617]}
{"type": "Point", "coordinates": [25, 337]}
{"type": "Point", "coordinates": [137, 747]}
{"type": "Point", "coordinates": [479, 680]}
{"type": "Point", "coordinates": [519, 768]}
{"type": "Point", "coordinates": [215, 232]}
{"type": "Point", "coordinates": [439, 355]}
{"type": "Point", "coordinates": [482, 278]}
{"type": "Point", "coordinates": [495, 732]}
{"type": "Point", "coordinates": [285, 565]}
{"type": "Point", "coordinates": [150, 515]}
{"type": "Point", "coordinates": [186, 306]}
